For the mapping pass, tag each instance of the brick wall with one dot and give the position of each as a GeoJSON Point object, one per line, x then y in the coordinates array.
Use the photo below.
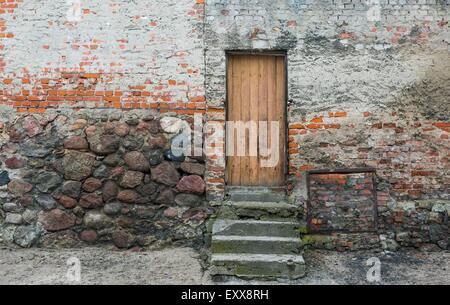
{"type": "Point", "coordinates": [410, 152]}
{"type": "Point", "coordinates": [126, 55]}
{"type": "Point", "coordinates": [342, 202]}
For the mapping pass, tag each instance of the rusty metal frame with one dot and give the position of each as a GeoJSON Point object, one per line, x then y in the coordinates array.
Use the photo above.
{"type": "Point", "coordinates": [358, 170]}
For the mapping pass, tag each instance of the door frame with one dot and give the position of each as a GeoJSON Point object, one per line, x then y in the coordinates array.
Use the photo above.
{"type": "Point", "coordinates": [281, 53]}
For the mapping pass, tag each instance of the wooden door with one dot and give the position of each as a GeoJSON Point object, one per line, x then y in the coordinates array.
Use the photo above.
{"type": "Point", "coordinates": [256, 93]}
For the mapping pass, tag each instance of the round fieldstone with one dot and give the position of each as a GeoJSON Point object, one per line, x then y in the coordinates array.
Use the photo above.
{"type": "Point", "coordinates": [36, 163]}
{"type": "Point", "coordinates": [193, 168]}
{"type": "Point", "coordinates": [97, 220]}
{"type": "Point", "coordinates": [124, 222]}
{"type": "Point", "coordinates": [137, 161]}
{"type": "Point", "coordinates": [72, 189]}
{"type": "Point", "coordinates": [104, 144]}
{"type": "Point", "coordinates": [9, 148]}
{"type": "Point", "coordinates": [191, 184]}
{"type": "Point", "coordinates": [102, 172]}
{"type": "Point", "coordinates": [15, 135]}
{"type": "Point", "coordinates": [143, 127]}
{"type": "Point", "coordinates": [112, 208]}
{"type": "Point", "coordinates": [178, 145]}
{"type": "Point", "coordinates": [148, 189]}
{"type": "Point", "coordinates": [157, 142]}
{"type": "Point", "coordinates": [29, 216]}
{"type": "Point", "coordinates": [78, 124]}
{"type": "Point", "coordinates": [27, 201]}
{"type": "Point", "coordinates": [90, 131]}
{"type": "Point", "coordinates": [123, 239]}
{"type": "Point", "coordinates": [166, 197]}
{"type": "Point", "coordinates": [133, 142]}
{"type": "Point", "coordinates": [117, 172]}
{"type": "Point", "coordinates": [14, 163]}
{"type": "Point", "coordinates": [121, 129]}
{"type": "Point", "coordinates": [11, 207]}
{"type": "Point", "coordinates": [46, 202]}
{"type": "Point", "coordinates": [170, 213]}
{"type": "Point", "coordinates": [128, 196]}
{"type": "Point", "coordinates": [57, 220]}
{"type": "Point", "coordinates": [109, 191]}
{"type": "Point", "coordinates": [31, 126]}
{"type": "Point", "coordinates": [112, 160]}
{"type": "Point", "coordinates": [154, 127]}
{"type": "Point", "coordinates": [13, 218]}
{"type": "Point", "coordinates": [78, 211]}
{"type": "Point", "coordinates": [108, 126]}
{"type": "Point", "coordinates": [40, 146]}
{"type": "Point", "coordinates": [131, 179]}
{"type": "Point", "coordinates": [78, 166]}
{"type": "Point", "coordinates": [4, 178]}
{"type": "Point", "coordinates": [172, 124]}
{"type": "Point", "coordinates": [27, 236]}
{"type": "Point", "coordinates": [195, 214]}
{"type": "Point", "coordinates": [165, 173]}
{"type": "Point", "coordinates": [91, 201]}
{"type": "Point", "coordinates": [60, 239]}
{"type": "Point", "coordinates": [155, 157]}
{"type": "Point", "coordinates": [148, 118]}
{"type": "Point", "coordinates": [189, 200]}
{"type": "Point", "coordinates": [89, 236]}
{"type": "Point", "coordinates": [143, 212]}
{"type": "Point", "coordinates": [19, 187]}
{"type": "Point", "coordinates": [92, 184]}
{"type": "Point", "coordinates": [46, 182]}
{"type": "Point", "coordinates": [76, 143]}
{"type": "Point", "coordinates": [116, 116]}
{"type": "Point", "coordinates": [67, 202]}
{"type": "Point", "coordinates": [132, 120]}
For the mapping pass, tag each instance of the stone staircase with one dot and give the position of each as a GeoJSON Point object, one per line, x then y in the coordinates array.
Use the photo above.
{"type": "Point", "coordinates": [257, 239]}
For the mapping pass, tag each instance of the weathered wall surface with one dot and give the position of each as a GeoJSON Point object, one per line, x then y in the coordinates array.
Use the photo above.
{"type": "Point", "coordinates": [342, 202]}
{"type": "Point", "coordinates": [116, 54]}
{"type": "Point", "coordinates": [76, 166]}
{"type": "Point", "coordinates": [368, 83]}
{"type": "Point", "coordinates": [343, 211]}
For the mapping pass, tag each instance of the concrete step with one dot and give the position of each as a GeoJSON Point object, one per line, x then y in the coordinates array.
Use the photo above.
{"type": "Point", "coordinates": [256, 228]}
{"type": "Point", "coordinates": [257, 210]}
{"type": "Point", "coordinates": [258, 266]}
{"type": "Point", "coordinates": [256, 193]}
{"type": "Point", "coordinates": [255, 244]}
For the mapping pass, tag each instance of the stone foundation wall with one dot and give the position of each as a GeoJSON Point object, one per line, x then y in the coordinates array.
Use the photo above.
{"type": "Point", "coordinates": [98, 178]}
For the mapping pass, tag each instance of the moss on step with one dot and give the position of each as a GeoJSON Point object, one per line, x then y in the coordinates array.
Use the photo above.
{"type": "Point", "coordinates": [303, 230]}
{"type": "Point", "coordinates": [314, 239]}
